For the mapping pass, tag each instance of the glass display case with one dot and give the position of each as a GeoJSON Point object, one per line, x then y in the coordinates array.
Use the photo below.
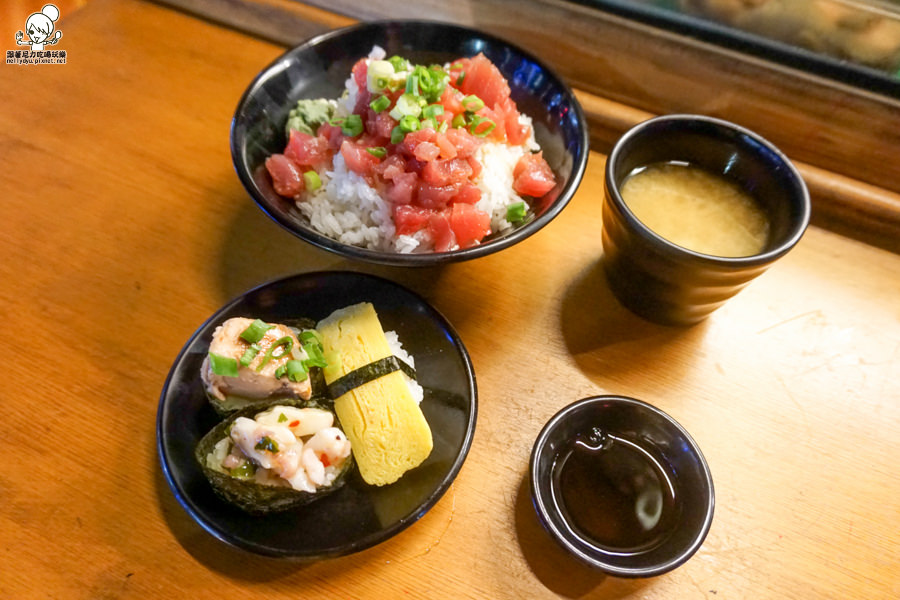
{"type": "Point", "coordinates": [854, 41]}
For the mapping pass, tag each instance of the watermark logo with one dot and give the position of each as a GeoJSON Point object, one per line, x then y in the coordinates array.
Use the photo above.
{"type": "Point", "coordinates": [41, 33]}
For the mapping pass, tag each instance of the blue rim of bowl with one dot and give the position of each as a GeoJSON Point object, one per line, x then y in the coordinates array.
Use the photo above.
{"type": "Point", "coordinates": [542, 504]}
{"type": "Point", "coordinates": [674, 249]}
{"type": "Point", "coordinates": [431, 258]}
{"type": "Point", "coordinates": [184, 500]}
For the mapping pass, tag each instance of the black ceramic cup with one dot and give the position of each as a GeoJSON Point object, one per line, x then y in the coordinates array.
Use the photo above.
{"type": "Point", "coordinates": [672, 285]}
{"type": "Point", "coordinates": [606, 422]}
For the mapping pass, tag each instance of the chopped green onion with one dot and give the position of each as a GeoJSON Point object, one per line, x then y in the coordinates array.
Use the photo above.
{"type": "Point", "coordinates": [249, 354]}
{"type": "Point", "coordinates": [281, 418]}
{"type": "Point", "coordinates": [433, 110]}
{"type": "Point", "coordinates": [459, 121]}
{"type": "Point", "coordinates": [380, 104]}
{"type": "Point", "coordinates": [378, 75]}
{"type": "Point", "coordinates": [407, 104]}
{"type": "Point", "coordinates": [461, 78]}
{"type": "Point", "coordinates": [315, 355]}
{"type": "Point", "coordinates": [310, 336]}
{"type": "Point", "coordinates": [377, 151]}
{"type": "Point", "coordinates": [412, 85]}
{"type": "Point", "coordinates": [397, 135]}
{"type": "Point", "coordinates": [255, 331]}
{"type": "Point", "coordinates": [515, 212]}
{"type": "Point", "coordinates": [431, 81]}
{"type": "Point", "coordinates": [352, 126]}
{"type": "Point", "coordinates": [285, 342]}
{"type": "Point", "coordinates": [428, 124]}
{"type": "Point", "coordinates": [316, 359]}
{"type": "Point", "coordinates": [476, 122]}
{"type": "Point", "coordinates": [408, 123]}
{"type": "Point", "coordinates": [267, 444]}
{"type": "Point", "coordinates": [280, 371]}
{"type": "Point", "coordinates": [223, 365]}
{"type": "Point", "coordinates": [399, 63]}
{"type": "Point", "coordinates": [244, 471]}
{"type": "Point", "coordinates": [472, 103]}
{"type": "Point", "coordinates": [312, 180]}
{"type": "Point", "coordinates": [444, 126]}
{"type": "Point", "coordinates": [296, 370]}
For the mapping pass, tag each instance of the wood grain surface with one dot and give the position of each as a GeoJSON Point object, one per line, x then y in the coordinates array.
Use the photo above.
{"type": "Point", "coordinates": [123, 227]}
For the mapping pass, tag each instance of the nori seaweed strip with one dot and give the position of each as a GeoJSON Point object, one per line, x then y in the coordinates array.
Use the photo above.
{"type": "Point", "coordinates": [367, 373]}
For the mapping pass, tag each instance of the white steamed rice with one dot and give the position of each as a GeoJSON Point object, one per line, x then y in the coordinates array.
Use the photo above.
{"type": "Point", "coordinates": [397, 350]}
{"type": "Point", "coordinates": [348, 209]}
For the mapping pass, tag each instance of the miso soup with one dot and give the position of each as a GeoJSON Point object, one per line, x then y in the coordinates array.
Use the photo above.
{"type": "Point", "coordinates": [696, 209]}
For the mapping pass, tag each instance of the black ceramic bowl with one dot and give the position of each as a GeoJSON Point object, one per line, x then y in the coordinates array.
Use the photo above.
{"type": "Point", "coordinates": [319, 67]}
{"type": "Point", "coordinates": [358, 515]}
{"type": "Point", "coordinates": [613, 537]}
{"type": "Point", "coordinates": [667, 283]}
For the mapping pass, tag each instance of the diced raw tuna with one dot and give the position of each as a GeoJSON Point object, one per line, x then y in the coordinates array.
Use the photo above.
{"type": "Point", "coordinates": [402, 188]}
{"type": "Point", "coordinates": [358, 159]}
{"type": "Point", "coordinates": [469, 224]}
{"type": "Point", "coordinates": [287, 179]}
{"type": "Point", "coordinates": [441, 233]}
{"type": "Point", "coordinates": [447, 172]}
{"type": "Point", "coordinates": [483, 79]}
{"type": "Point", "coordinates": [306, 150]}
{"type": "Point", "coordinates": [532, 176]}
{"type": "Point", "coordinates": [436, 197]}
{"type": "Point", "coordinates": [410, 219]}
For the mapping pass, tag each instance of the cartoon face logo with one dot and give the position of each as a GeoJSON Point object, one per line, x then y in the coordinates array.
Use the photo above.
{"type": "Point", "coordinates": [39, 27]}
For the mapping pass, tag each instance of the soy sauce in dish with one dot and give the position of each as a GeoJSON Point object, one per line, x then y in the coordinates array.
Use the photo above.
{"type": "Point", "coordinates": [614, 493]}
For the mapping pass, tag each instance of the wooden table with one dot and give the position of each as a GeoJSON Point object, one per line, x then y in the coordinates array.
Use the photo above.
{"type": "Point", "coordinates": [124, 227]}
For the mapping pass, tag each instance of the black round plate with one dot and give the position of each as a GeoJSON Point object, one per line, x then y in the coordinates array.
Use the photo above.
{"type": "Point", "coordinates": [357, 516]}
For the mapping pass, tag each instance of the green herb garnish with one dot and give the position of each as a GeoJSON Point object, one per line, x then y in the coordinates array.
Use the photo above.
{"type": "Point", "coordinates": [244, 471]}
{"type": "Point", "coordinates": [380, 104]}
{"type": "Point", "coordinates": [399, 63]}
{"type": "Point", "coordinates": [409, 124]}
{"type": "Point", "coordinates": [255, 331]}
{"type": "Point", "coordinates": [223, 365]}
{"type": "Point", "coordinates": [351, 125]}
{"type": "Point", "coordinates": [285, 342]}
{"type": "Point", "coordinates": [472, 103]}
{"type": "Point", "coordinates": [515, 212]}
{"type": "Point", "coordinates": [267, 444]}
{"type": "Point", "coordinates": [476, 129]}
{"type": "Point", "coordinates": [312, 181]}
{"type": "Point", "coordinates": [249, 354]}
{"type": "Point", "coordinates": [397, 135]}
{"type": "Point", "coordinates": [296, 370]}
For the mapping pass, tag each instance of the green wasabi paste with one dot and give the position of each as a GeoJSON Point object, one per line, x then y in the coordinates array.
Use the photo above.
{"type": "Point", "coordinates": [308, 115]}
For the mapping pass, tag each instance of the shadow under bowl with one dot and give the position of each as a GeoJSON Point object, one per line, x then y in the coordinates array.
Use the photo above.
{"type": "Point", "coordinates": [319, 68]}
{"type": "Point", "coordinates": [621, 422]}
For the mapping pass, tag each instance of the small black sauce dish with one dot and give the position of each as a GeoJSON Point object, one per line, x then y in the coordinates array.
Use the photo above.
{"type": "Point", "coordinates": [621, 486]}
